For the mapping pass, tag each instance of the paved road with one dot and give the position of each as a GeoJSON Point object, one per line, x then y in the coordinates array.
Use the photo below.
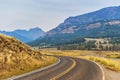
{"type": "Point", "coordinates": [68, 69]}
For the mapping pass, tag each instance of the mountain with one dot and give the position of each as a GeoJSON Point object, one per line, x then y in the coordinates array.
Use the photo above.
{"type": "Point", "coordinates": [25, 35]}
{"type": "Point", "coordinates": [101, 23]}
{"type": "Point", "coordinates": [71, 24]}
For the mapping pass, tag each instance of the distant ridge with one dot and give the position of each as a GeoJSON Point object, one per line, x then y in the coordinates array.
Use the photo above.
{"type": "Point", "coordinates": [25, 35]}
{"type": "Point", "coordinates": [101, 23]}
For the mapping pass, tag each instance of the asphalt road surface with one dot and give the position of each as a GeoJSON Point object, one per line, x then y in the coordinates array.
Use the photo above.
{"type": "Point", "coordinates": [68, 69]}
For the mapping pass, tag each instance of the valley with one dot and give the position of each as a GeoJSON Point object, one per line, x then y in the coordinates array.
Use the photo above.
{"type": "Point", "coordinates": [87, 45]}
{"type": "Point", "coordinates": [107, 59]}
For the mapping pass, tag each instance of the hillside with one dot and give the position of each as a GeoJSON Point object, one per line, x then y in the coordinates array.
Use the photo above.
{"type": "Point", "coordinates": [98, 29]}
{"type": "Point", "coordinates": [71, 24]}
{"type": "Point", "coordinates": [25, 35]}
{"type": "Point", "coordinates": [101, 23]}
{"type": "Point", "coordinates": [17, 58]}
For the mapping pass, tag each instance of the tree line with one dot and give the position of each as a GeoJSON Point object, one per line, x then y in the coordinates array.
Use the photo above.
{"type": "Point", "coordinates": [90, 46]}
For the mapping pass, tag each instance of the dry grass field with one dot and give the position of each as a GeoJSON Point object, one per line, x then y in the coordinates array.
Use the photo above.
{"type": "Point", "coordinates": [112, 63]}
{"type": "Point", "coordinates": [17, 58]}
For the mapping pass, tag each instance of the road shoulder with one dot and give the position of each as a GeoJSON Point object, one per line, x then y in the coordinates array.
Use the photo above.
{"type": "Point", "coordinates": [111, 75]}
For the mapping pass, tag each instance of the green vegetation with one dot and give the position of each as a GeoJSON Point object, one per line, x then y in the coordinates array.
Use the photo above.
{"type": "Point", "coordinates": [82, 46]}
{"type": "Point", "coordinates": [95, 29]}
{"type": "Point", "coordinates": [115, 40]}
{"type": "Point", "coordinates": [98, 44]}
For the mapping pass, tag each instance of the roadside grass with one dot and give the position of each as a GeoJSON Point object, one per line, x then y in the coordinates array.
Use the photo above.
{"type": "Point", "coordinates": [64, 52]}
{"type": "Point", "coordinates": [12, 70]}
{"type": "Point", "coordinates": [116, 56]}
{"type": "Point", "coordinates": [18, 58]}
{"type": "Point", "coordinates": [108, 63]}
{"type": "Point", "coordinates": [96, 56]}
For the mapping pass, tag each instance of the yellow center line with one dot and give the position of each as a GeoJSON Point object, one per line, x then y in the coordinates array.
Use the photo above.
{"type": "Point", "coordinates": [66, 71]}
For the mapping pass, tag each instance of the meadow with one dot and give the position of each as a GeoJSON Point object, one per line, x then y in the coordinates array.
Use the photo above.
{"type": "Point", "coordinates": [108, 59]}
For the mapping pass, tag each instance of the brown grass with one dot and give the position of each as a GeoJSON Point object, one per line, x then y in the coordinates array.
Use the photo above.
{"type": "Point", "coordinates": [96, 56]}
{"type": "Point", "coordinates": [17, 58]}
{"type": "Point", "coordinates": [108, 63]}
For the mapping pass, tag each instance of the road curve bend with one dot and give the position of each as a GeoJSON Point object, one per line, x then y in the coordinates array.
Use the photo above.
{"type": "Point", "coordinates": [68, 69]}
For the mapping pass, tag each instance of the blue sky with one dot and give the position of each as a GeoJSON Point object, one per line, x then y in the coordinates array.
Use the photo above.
{"type": "Point", "coordinates": [46, 14]}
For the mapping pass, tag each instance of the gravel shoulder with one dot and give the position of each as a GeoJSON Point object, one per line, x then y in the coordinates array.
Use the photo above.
{"type": "Point", "coordinates": [111, 75]}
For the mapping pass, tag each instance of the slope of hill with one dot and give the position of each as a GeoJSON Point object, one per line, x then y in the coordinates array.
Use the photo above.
{"type": "Point", "coordinates": [17, 58]}
{"type": "Point", "coordinates": [99, 29]}
{"type": "Point", "coordinates": [24, 35]}
{"type": "Point", "coordinates": [75, 23]}
{"type": "Point", "coordinates": [102, 23]}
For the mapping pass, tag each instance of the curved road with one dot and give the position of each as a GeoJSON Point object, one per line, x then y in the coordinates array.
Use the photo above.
{"type": "Point", "coordinates": [68, 69]}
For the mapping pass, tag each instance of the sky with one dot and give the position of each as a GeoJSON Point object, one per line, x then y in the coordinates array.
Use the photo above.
{"type": "Point", "coordinates": [46, 14]}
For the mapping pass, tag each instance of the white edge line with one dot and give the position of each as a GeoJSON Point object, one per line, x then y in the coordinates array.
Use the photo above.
{"type": "Point", "coordinates": [103, 78]}
{"type": "Point", "coordinates": [32, 72]}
